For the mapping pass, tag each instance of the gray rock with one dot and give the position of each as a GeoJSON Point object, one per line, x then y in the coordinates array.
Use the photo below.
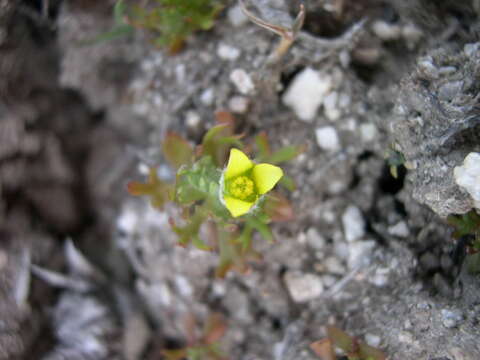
{"type": "Point", "coordinates": [303, 287]}
{"type": "Point", "coordinates": [445, 102]}
{"type": "Point", "coordinates": [451, 318]}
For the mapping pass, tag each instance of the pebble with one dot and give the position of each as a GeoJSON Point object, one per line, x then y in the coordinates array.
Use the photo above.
{"type": "Point", "coordinates": [405, 337]}
{"type": "Point", "coordinates": [192, 120]}
{"type": "Point", "coordinates": [429, 261]}
{"type": "Point", "coordinates": [242, 81]}
{"type": "Point", "coordinates": [340, 249]}
{"type": "Point", "coordinates": [467, 175]}
{"type": "Point", "coordinates": [360, 253]}
{"type": "Point", "coordinates": [330, 106]}
{"type": "Point", "coordinates": [334, 266]}
{"type": "Point", "coordinates": [306, 93]}
{"type": "Point", "coordinates": [327, 138]}
{"type": "Point", "coordinates": [451, 318]}
{"type": "Point", "coordinates": [368, 132]}
{"type": "Point", "coordinates": [227, 52]}
{"type": "Point", "coordinates": [353, 223]}
{"type": "Point", "coordinates": [471, 49]}
{"type": "Point", "coordinates": [412, 35]}
{"type": "Point", "coordinates": [400, 229]}
{"type": "Point", "coordinates": [238, 104]}
{"type": "Point", "coordinates": [428, 68]}
{"type": "Point", "coordinates": [386, 31]}
{"type": "Point", "coordinates": [329, 280]}
{"type": "Point", "coordinates": [207, 96]}
{"type": "Point", "coordinates": [303, 287]}
{"type": "Point", "coordinates": [372, 340]}
{"type": "Point", "coordinates": [236, 16]}
{"type": "Point", "coordinates": [315, 239]}
{"type": "Point", "coordinates": [449, 90]}
{"type": "Point", "coordinates": [380, 278]}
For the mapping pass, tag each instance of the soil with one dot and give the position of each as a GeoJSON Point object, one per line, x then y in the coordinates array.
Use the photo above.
{"type": "Point", "coordinates": [89, 272]}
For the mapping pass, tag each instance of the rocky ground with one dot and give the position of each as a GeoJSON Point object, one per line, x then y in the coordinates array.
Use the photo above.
{"type": "Point", "coordinates": [88, 272]}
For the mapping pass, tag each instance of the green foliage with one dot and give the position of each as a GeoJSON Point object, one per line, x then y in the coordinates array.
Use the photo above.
{"type": "Point", "coordinates": [468, 225]}
{"type": "Point", "coordinates": [395, 159]}
{"type": "Point", "coordinates": [205, 222]}
{"type": "Point", "coordinates": [170, 22]}
{"type": "Point", "coordinates": [351, 346]}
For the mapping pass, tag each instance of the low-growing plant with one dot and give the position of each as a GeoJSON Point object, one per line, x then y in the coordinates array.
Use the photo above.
{"type": "Point", "coordinates": [204, 346]}
{"type": "Point", "coordinates": [351, 346]}
{"type": "Point", "coordinates": [220, 189]}
{"type": "Point", "coordinates": [169, 22]}
{"type": "Point", "coordinates": [467, 234]}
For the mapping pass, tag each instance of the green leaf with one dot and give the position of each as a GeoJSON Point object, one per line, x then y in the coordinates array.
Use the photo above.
{"type": "Point", "coordinates": [177, 150]}
{"type": "Point", "coordinates": [197, 182]}
{"type": "Point", "coordinates": [261, 227]}
{"type": "Point", "coordinates": [285, 154]}
{"type": "Point", "coordinates": [119, 11]}
{"type": "Point", "coordinates": [189, 233]}
{"type": "Point", "coordinates": [116, 32]}
{"type": "Point", "coordinates": [465, 224]}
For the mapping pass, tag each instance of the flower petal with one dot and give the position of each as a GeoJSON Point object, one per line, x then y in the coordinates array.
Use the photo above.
{"type": "Point", "coordinates": [238, 163]}
{"type": "Point", "coordinates": [237, 207]}
{"type": "Point", "coordinates": [266, 176]}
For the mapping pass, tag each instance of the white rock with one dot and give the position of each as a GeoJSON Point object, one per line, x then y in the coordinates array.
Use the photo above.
{"type": "Point", "coordinates": [242, 81]}
{"type": "Point", "coordinates": [372, 340]}
{"type": "Point", "coordinates": [412, 35]}
{"type": "Point", "coordinates": [192, 120]}
{"type": "Point", "coordinates": [386, 31]}
{"type": "Point", "coordinates": [315, 239]}
{"type": "Point", "coordinates": [227, 52]}
{"type": "Point", "coordinates": [400, 229]}
{"type": "Point", "coordinates": [467, 176]}
{"type": "Point", "coordinates": [306, 93]}
{"type": "Point", "coordinates": [340, 249]}
{"type": "Point", "coordinates": [353, 223]}
{"type": "Point", "coordinates": [236, 16]}
{"type": "Point", "coordinates": [360, 253]}
{"type": "Point", "coordinates": [368, 132]}
{"type": "Point", "coordinates": [451, 318]}
{"type": "Point", "coordinates": [238, 104]}
{"type": "Point", "coordinates": [327, 138]}
{"type": "Point", "coordinates": [207, 96]}
{"type": "Point", "coordinates": [303, 287]}
{"type": "Point", "coordinates": [334, 266]}
{"type": "Point", "coordinates": [331, 107]}
{"type": "Point", "coordinates": [471, 48]}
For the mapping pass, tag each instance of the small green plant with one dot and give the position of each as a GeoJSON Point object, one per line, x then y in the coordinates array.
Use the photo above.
{"type": "Point", "coordinates": [467, 228]}
{"type": "Point", "coordinates": [351, 346]}
{"type": "Point", "coordinates": [170, 22]}
{"type": "Point", "coordinates": [395, 159]}
{"type": "Point", "coordinates": [203, 347]}
{"type": "Point", "coordinates": [230, 201]}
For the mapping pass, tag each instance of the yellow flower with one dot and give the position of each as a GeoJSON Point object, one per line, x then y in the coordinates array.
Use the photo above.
{"type": "Point", "coordinates": [244, 182]}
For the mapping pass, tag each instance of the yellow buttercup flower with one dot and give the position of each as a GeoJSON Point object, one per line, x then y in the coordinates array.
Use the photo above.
{"type": "Point", "coordinates": [244, 182]}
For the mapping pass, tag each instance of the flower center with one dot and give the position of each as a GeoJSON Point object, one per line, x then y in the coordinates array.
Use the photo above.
{"type": "Point", "coordinates": [241, 187]}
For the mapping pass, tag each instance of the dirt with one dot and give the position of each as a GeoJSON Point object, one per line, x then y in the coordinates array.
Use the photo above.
{"type": "Point", "coordinates": [89, 272]}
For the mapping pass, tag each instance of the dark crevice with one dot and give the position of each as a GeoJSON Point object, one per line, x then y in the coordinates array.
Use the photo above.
{"type": "Point", "coordinates": [390, 185]}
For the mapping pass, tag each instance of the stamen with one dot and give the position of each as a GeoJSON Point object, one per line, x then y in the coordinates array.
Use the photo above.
{"type": "Point", "coordinates": [241, 188]}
